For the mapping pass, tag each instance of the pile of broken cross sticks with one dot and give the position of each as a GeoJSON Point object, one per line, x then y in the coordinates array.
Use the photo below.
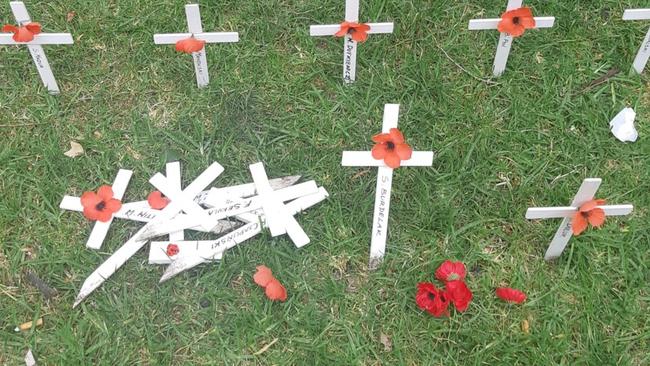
{"type": "Point", "coordinates": [256, 205]}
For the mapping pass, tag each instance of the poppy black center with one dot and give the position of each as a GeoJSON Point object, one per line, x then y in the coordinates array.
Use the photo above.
{"type": "Point", "coordinates": [515, 20]}
{"type": "Point", "coordinates": [390, 145]}
{"type": "Point", "coordinates": [100, 206]}
{"type": "Point", "coordinates": [432, 296]}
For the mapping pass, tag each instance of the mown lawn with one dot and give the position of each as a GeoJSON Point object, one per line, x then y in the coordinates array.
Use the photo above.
{"type": "Point", "coordinates": [526, 139]}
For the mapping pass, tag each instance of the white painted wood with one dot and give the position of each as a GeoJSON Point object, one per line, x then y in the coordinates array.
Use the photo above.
{"type": "Point", "coordinates": [200, 216]}
{"type": "Point", "coordinates": [195, 28]}
{"type": "Point", "coordinates": [39, 39]}
{"type": "Point", "coordinates": [331, 29]}
{"type": "Point", "coordinates": [487, 24]}
{"type": "Point", "coordinates": [100, 229]}
{"type": "Point", "coordinates": [35, 49]}
{"type": "Point", "coordinates": [364, 158]}
{"type": "Point", "coordinates": [246, 190]}
{"type": "Point", "coordinates": [216, 199]}
{"type": "Point", "coordinates": [349, 45]}
{"type": "Point", "coordinates": [186, 262]}
{"type": "Point", "coordinates": [126, 251]}
{"type": "Point", "coordinates": [505, 40]}
{"type": "Point", "coordinates": [586, 193]}
{"type": "Point", "coordinates": [379, 232]}
{"type": "Point", "coordinates": [560, 212]}
{"type": "Point", "coordinates": [173, 171]}
{"type": "Point", "coordinates": [636, 14]}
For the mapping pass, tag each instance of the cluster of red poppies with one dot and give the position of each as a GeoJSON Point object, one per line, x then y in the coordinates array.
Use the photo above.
{"type": "Point", "coordinates": [436, 301]}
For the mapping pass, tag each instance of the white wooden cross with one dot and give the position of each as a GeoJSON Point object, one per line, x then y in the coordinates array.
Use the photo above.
{"type": "Point", "coordinates": [384, 183]}
{"type": "Point", "coordinates": [35, 46]}
{"type": "Point", "coordinates": [586, 193]}
{"type": "Point", "coordinates": [195, 29]}
{"type": "Point", "coordinates": [350, 46]}
{"type": "Point", "coordinates": [505, 40]}
{"type": "Point", "coordinates": [644, 51]}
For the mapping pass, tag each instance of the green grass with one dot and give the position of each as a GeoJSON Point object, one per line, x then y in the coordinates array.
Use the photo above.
{"type": "Point", "coordinates": [529, 138]}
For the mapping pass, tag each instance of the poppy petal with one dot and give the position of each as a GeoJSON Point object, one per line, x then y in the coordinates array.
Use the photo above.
{"type": "Point", "coordinates": [157, 201]}
{"type": "Point", "coordinates": [9, 28]}
{"type": "Point", "coordinates": [113, 205]}
{"type": "Point", "coordinates": [459, 294]}
{"type": "Point", "coordinates": [596, 217]}
{"type": "Point", "coordinates": [90, 199]}
{"type": "Point", "coordinates": [33, 27]}
{"type": "Point", "coordinates": [510, 295]}
{"type": "Point", "coordinates": [379, 151]}
{"type": "Point", "coordinates": [381, 137]}
{"type": "Point", "coordinates": [91, 213]}
{"type": "Point", "coordinates": [104, 215]}
{"type": "Point", "coordinates": [275, 291]}
{"type": "Point", "coordinates": [578, 224]}
{"type": "Point", "coordinates": [23, 35]}
{"type": "Point", "coordinates": [396, 136]}
{"type": "Point", "coordinates": [364, 27]}
{"type": "Point", "coordinates": [404, 151]}
{"type": "Point", "coordinates": [450, 271]}
{"type": "Point", "coordinates": [105, 192]}
{"type": "Point", "coordinates": [263, 276]}
{"type": "Point", "coordinates": [345, 27]}
{"type": "Point", "coordinates": [359, 36]}
{"type": "Point", "coordinates": [392, 160]}
{"type": "Point", "coordinates": [589, 205]}
{"type": "Point", "coordinates": [528, 22]}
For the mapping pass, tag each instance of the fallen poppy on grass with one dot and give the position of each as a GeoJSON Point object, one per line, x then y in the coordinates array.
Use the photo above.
{"type": "Point", "coordinates": [432, 299]}
{"type": "Point", "coordinates": [190, 45]}
{"type": "Point", "coordinates": [459, 294]}
{"type": "Point", "coordinates": [587, 214]}
{"type": "Point", "coordinates": [172, 250]}
{"type": "Point", "coordinates": [516, 21]}
{"type": "Point", "coordinates": [272, 287]}
{"type": "Point", "coordinates": [391, 148]}
{"type": "Point", "coordinates": [157, 200]}
{"type": "Point", "coordinates": [100, 206]}
{"type": "Point", "coordinates": [358, 31]}
{"type": "Point", "coordinates": [451, 271]}
{"type": "Point", "coordinates": [23, 33]}
{"type": "Point", "coordinates": [510, 295]}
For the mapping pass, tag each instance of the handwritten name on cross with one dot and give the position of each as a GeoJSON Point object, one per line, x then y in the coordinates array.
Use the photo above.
{"type": "Point", "coordinates": [642, 56]}
{"type": "Point", "coordinates": [384, 183]}
{"type": "Point", "coordinates": [195, 29]}
{"type": "Point", "coordinates": [586, 193]}
{"type": "Point", "coordinates": [505, 40]}
{"type": "Point", "coordinates": [350, 46]}
{"type": "Point", "coordinates": [35, 46]}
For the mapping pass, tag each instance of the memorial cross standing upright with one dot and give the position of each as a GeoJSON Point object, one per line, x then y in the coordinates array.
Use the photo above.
{"type": "Point", "coordinates": [644, 51]}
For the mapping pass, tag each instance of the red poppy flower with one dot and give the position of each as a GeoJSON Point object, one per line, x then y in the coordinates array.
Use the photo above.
{"type": "Point", "coordinates": [263, 276]}
{"type": "Point", "coordinates": [459, 294]}
{"type": "Point", "coordinates": [100, 206]}
{"type": "Point", "coordinates": [391, 147]}
{"type": "Point", "coordinates": [157, 200]}
{"type": "Point", "coordinates": [359, 31]}
{"type": "Point", "coordinates": [275, 291]}
{"type": "Point", "coordinates": [510, 295]}
{"type": "Point", "coordinates": [587, 214]}
{"type": "Point", "coordinates": [450, 271]}
{"type": "Point", "coordinates": [172, 250]}
{"type": "Point", "coordinates": [516, 21]}
{"type": "Point", "coordinates": [189, 45]}
{"type": "Point", "coordinates": [23, 33]}
{"type": "Point", "coordinates": [432, 299]}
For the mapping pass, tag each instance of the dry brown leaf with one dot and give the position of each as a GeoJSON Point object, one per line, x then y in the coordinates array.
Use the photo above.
{"type": "Point", "coordinates": [70, 16]}
{"type": "Point", "coordinates": [75, 150]}
{"type": "Point", "coordinates": [265, 348]}
{"type": "Point", "coordinates": [385, 340]}
{"type": "Point", "coordinates": [525, 326]}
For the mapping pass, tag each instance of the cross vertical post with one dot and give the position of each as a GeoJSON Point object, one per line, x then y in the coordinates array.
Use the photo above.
{"type": "Point", "coordinates": [643, 54]}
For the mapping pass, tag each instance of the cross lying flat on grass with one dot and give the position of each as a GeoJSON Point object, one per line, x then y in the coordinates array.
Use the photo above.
{"type": "Point", "coordinates": [196, 30]}
{"type": "Point", "coordinates": [35, 49]}
{"type": "Point", "coordinates": [505, 40]}
{"type": "Point", "coordinates": [384, 183]}
{"type": "Point", "coordinates": [586, 193]}
{"type": "Point", "coordinates": [642, 56]}
{"type": "Point", "coordinates": [350, 46]}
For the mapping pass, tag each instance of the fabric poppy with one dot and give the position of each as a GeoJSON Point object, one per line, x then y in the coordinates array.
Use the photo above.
{"type": "Point", "coordinates": [510, 295]}
{"type": "Point", "coordinates": [190, 45]}
{"type": "Point", "coordinates": [358, 31]}
{"type": "Point", "coordinates": [172, 250]}
{"type": "Point", "coordinates": [275, 291]}
{"type": "Point", "coordinates": [431, 299]}
{"type": "Point", "coordinates": [23, 33]}
{"type": "Point", "coordinates": [263, 276]}
{"type": "Point", "coordinates": [516, 21]}
{"type": "Point", "coordinates": [459, 294]}
{"type": "Point", "coordinates": [587, 214]}
{"type": "Point", "coordinates": [450, 271]}
{"type": "Point", "coordinates": [157, 200]}
{"type": "Point", "coordinates": [100, 206]}
{"type": "Point", "coordinates": [391, 148]}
